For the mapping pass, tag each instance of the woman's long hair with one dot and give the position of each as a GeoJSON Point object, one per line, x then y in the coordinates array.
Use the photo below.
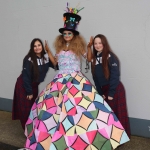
{"type": "Point", "coordinates": [105, 54]}
{"type": "Point", "coordinates": [77, 44]}
{"type": "Point", "coordinates": [33, 57]}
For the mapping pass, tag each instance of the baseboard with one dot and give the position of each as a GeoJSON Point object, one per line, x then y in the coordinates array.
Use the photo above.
{"type": "Point", "coordinates": [139, 127]}
{"type": "Point", "coordinates": [6, 104]}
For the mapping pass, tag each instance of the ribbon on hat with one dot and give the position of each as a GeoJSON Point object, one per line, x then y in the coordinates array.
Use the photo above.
{"type": "Point", "coordinates": [72, 19]}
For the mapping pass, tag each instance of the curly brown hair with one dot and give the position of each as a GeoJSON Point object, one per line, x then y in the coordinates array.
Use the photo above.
{"type": "Point", "coordinates": [77, 44]}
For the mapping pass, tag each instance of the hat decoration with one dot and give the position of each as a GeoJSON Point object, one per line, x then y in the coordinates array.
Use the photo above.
{"type": "Point", "coordinates": [71, 19]}
{"type": "Point", "coordinates": [73, 10]}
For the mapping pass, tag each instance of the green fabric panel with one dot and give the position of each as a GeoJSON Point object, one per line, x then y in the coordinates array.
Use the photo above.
{"type": "Point", "coordinates": [60, 144]}
{"type": "Point", "coordinates": [94, 113]}
{"type": "Point", "coordinates": [99, 141]}
{"type": "Point", "coordinates": [41, 114]}
{"type": "Point", "coordinates": [63, 90]}
{"type": "Point", "coordinates": [70, 79]}
{"type": "Point", "coordinates": [55, 94]}
{"type": "Point", "coordinates": [29, 128]}
{"type": "Point", "coordinates": [87, 98]}
{"type": "Point", "coordinates": [107, 146]}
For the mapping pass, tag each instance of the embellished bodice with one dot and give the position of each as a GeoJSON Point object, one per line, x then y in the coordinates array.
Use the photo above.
{"type": "Point", "coordinates": [68, 62]}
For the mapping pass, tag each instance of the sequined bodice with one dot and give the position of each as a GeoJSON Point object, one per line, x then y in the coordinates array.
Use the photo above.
{"type": "Point", "coordinates": [68, 62]}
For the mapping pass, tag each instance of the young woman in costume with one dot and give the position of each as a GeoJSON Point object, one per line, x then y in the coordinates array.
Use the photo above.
{"type": "Point", "coordinates": [69, 113]}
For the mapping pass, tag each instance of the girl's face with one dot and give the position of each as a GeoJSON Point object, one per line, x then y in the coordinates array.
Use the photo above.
{"type": "Point", "coordinates": [37, 48]}
{"type": "Point", "coordinates": [98, 44]}
{"type": "Point", "coordinates": [68, 35]}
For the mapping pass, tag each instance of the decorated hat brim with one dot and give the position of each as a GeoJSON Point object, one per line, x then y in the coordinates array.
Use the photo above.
{"type": "Point", "coordinates": [61, 30]}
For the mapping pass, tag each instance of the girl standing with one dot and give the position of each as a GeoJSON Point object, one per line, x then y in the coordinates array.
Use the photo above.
{"type": "Point", "coordinates": [105, 71]}
{"type": "Point", "coordinates": [35, 66]}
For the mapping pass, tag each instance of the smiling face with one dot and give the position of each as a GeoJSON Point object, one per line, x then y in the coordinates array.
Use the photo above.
{"type": "Point", "coordinates": [38, 48]}
{"type": "Point", "coordinates": [68, 35]}
{"type": "Point", "coordinates": [98, 44]}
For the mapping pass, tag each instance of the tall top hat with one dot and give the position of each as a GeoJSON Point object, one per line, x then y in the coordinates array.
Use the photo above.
{"type": "Point", "coordinates": [71, 20]}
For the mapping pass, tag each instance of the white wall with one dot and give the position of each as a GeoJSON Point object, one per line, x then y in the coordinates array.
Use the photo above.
{"type": "Point", "coordinates": [126, 24]}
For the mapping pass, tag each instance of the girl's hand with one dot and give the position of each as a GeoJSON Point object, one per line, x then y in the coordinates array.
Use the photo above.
{"type": "Point", "coordinates": [91, 42]}
{"type": "Point", "coordinates": [110, 98]}
{"type": "Point", "coordinates": [56, 58]}
{"type": "Point", "coordinates": [46, 47]}
{"type": "Point", "coordinates": [103, 96]}
{"type": "Point", "coordinates": [29, 97]}
{"type": "Point", "coordinates": [50, 55]}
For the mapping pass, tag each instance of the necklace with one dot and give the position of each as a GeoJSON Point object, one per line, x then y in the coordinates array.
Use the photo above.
{"type": "Point", "coordinates": [98, 53]}
{"type": "Point", "coordinates": [67, 44]}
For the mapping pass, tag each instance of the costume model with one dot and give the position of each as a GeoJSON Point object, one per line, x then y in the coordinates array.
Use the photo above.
{"type": "Point", "coordinates": [35, 66]}
{"type": "Point", "coordinates": [69, 114]}
{"type": "Point", "coordinates": [105, 70]}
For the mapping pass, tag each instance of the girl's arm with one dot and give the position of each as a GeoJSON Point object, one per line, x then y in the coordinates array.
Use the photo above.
{"type": "Point", "coordinates": [84, 53]}
{"type": "Point", "coordinates": [114, 75]}
{"type": "Point", "coordinates": [88, 55]}
{"type": "Point", "coordinates": [26, 75]}
{"type": "Point", "coordinates": [51, 57]}
{"type": "Point", "coordinates": [89, 50]}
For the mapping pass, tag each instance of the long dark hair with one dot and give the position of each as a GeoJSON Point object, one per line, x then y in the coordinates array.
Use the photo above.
{"type": "Point", "coordinates": [33, 57]}
{"type": "Point", "coordinates": [105, 54]}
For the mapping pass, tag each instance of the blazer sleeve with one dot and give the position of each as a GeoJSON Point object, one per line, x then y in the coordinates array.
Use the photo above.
{"type": "Point", "coordinates": [114, 75]}
{"type": "Point", "coordinates": [27, 76]}
{"type": "Point", "coordinates": [52, 66]}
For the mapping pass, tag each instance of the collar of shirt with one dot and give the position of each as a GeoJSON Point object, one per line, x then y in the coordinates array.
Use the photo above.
{"type": "Point", "coordinates": [99, 54]}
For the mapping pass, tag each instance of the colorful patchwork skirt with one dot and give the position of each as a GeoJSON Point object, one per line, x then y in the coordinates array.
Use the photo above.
{"type": "Point", "coordinates": [69, 114]}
